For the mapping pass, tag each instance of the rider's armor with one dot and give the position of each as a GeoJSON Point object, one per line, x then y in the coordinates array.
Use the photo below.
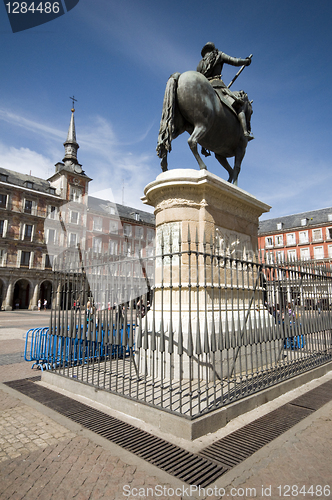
{"type": "Point", "coordinates": [211, 67]}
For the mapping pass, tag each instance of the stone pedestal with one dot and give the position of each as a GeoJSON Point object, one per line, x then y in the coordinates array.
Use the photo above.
{"type": "Point", "coordinates": [199, 215]}
{"type": "Point", "coordinates": [203, 201]}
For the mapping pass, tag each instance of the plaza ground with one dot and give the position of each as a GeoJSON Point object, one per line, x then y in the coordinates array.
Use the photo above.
{"type": "Point", "coordinates": [45, 455]}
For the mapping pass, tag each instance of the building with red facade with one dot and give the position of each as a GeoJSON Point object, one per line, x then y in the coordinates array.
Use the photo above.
{"type": "Point", "coordinates": [304, 236]}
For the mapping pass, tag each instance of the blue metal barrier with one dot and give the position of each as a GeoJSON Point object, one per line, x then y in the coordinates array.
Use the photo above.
{"type": "Point", "coordinates": [51, 350]}
{"type": "Point", "coordinates": [297, 342]}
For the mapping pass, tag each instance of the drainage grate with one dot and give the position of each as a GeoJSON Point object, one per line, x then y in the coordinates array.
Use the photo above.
{"type": "Point", "coordinates": [189, 467]}
{"type": "Point", "coordinates": [241, 444]}
{"type": "Point", "coordinates": [316, 398]}
{"type": "Point", "coordinates": [198, 469]}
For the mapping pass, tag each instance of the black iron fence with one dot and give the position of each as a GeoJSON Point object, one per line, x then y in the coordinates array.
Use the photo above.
{"type": "Point", "coordinates": [190, 326]}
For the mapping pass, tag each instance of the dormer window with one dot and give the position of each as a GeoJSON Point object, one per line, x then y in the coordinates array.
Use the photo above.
{"type": "Point", "coordinates": [51, 190]}
{"type": "Point", "coordinates": [279, 226]}
{"type": "Point", "coordinates": [29, 184]}
{"type": "Point", "coordinates": [3, 178]}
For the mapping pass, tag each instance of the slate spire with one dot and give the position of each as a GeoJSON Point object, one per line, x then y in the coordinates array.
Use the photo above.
{"type": "Point", "coordinates": [70, 144]}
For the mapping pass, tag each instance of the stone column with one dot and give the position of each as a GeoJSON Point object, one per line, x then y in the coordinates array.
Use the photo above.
{"type": "Point", "coordinates": [34, 300]}
{"type": "Point", "coordinates": [8, 302]}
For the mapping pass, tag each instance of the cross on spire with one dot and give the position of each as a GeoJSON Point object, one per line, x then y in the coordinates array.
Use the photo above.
{"type": "Point", "coordinates": [73, 99]}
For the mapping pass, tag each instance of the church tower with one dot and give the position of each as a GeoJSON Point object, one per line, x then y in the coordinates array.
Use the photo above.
{"type": "Point", "coordinates": [70, 181]}
{"type": "Point", "coordinates": [71, 147]}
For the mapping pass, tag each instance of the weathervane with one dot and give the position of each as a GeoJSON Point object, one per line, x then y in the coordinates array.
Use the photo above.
{"type": "Point", "coordinates": [73, 99]}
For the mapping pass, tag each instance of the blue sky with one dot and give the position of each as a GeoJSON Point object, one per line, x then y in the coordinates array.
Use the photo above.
{"type": "Point", "coordinates": [116, 57]}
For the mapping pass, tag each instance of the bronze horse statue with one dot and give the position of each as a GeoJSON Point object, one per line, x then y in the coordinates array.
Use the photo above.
{"type": "Point", "coordinates": [191, 104]}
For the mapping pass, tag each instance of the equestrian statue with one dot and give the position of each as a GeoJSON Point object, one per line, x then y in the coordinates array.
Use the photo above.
{"type": "Point", "coordinates": [200, 103]}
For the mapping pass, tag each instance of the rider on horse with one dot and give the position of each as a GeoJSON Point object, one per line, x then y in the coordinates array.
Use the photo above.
{"type": "Point", "coordinates": [211, 67]}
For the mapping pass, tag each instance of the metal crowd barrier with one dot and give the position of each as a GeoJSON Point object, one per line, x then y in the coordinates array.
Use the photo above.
{"type": "Point", "coordinates": [49, 351]}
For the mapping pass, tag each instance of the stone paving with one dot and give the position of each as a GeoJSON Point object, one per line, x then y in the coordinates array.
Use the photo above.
{"type": "Point", "coordinates": [45, 456]}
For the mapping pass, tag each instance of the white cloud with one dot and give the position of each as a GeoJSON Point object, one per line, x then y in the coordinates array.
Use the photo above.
{"type": "Point", "coordinates": [29, 125]}
{"type": "Point", "coordinates": [25, 160]}
{"type": "Point", "coordinates": [108, 160]}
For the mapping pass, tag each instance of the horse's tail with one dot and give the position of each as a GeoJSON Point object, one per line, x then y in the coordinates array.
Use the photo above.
{"type": "Point", "coordinates": [167, 118]}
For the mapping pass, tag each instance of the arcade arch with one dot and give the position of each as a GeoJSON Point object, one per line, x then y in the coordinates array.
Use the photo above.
{"type": "Point", "coordinates": [45, 293]}
{"type": "Point", "coordinates": [22, 294]}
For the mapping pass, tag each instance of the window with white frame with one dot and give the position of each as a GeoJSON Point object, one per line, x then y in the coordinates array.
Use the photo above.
{"type": "Point", "coordinates": [2, 228]}
{"type": "Point", "coordinates": [113, 247]}
{"type": "Point", "coordinates": [72, 239]}
{"type": "Point", "coordinates": [279, 240]}
{"type": "Point", "coordinates": [329, 248]}
{"type": "Point", "coordinates": [50, 236]}
{"type": "Point", "coordinates": [74, 217]}
{"type": "Point", "coordinates": [97, 244]}
{"type": "Point", "coordinates": [3, 200]}
{"type": "Point", "coordinates": [317, 234]}
{"type": "Point", "coordinates": [114, 226]}
{"type": "Point", "coordinates": [139, 232]}
{"type": "Point", "coordinates": [97, 223]}
{"type": "Point", "coordinates": [25, 258]}
{"type": "Point", "coordinates": [2, 257]}
{"type": "Point", "coordinates": [319, 252]}
{"type": "Point", "coordinates": [280, 256]}
{"type": "Point", "coordinates": [290, 239]}
{"type": "Point", "coordinates": [127, 230]}
{"type": "Point", "coordinates": [28, 230]}
{"type": "Point", "coordinates": [303, 237]}
{"type": "Point", "coordinates": [28, 204]}
{"type": "Point", "coordinates": [329, 233]}
{"type": "Point", "coordinates": [51, 211]}
{"type": "Point", "coordinates": [49, 261]}
{"type": "Point", "coordinates": [150, 234]}
{"type": "Point", "coordinates": [291, 255]}
{"type": "Point", "coordinates": [305, 253]}
{"type": "Point", "coordinates": [75, 194]}
{"type": "Point", "coordinates": [268, 242]}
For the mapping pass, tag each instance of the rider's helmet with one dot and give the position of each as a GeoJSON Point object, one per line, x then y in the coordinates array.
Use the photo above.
{"type": "Point", "coordinates": [208, 47]}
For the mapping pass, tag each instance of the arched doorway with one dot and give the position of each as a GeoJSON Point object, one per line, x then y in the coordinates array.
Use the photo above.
{"type": "Point", "coordinates": [46, 293]}
{"type": "Point", "coordinates": [21, 294]}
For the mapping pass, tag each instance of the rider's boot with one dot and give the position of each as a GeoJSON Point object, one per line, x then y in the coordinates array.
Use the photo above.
{"type": "Point", "coordinates": [243, 121]}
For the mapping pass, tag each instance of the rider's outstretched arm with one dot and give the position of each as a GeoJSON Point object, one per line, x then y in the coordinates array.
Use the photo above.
{"type": "Point", "coordinates": [234, 61]}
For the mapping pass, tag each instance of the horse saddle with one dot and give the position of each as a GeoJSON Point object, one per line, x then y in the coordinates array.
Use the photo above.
{"type": "Point", "coordinates": [221, 91]}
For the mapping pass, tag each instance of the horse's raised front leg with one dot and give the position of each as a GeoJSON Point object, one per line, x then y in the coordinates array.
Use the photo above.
{"type": "Point", "coordinates": [223, 161]}
{"type": "Point", "coordinates": [198, 133]}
